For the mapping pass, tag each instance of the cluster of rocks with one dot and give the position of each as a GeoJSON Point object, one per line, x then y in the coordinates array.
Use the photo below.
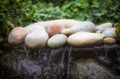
{"type": "Point", "coordinates": [56, 33]}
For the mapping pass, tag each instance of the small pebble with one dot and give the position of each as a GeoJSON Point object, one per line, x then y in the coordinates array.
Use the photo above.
{"type": "Point", "coordinates": [57, 40]}
{"type": "Point", "coordinates": [109, 40]}
{"type": "Point", "coordinates": [109, 32]}
{"type": "Point", "coordinates": [104, 26]}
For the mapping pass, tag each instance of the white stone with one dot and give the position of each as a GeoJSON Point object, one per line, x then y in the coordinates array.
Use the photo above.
{"type": "Point", "coordinates": [57, 40]}
{"type": "Point", "coordinates": [82, 39]}
{"type": "Point", "coordinates": [36, 39]}
{"type": "Point", "coordinates": [35, 27]}
{"type": "Point", "coordinates": [104, 26]}
{"type": "Point", "coordinates": [109, 32]}
{"type": "Point", "coordinates": [85, 26]}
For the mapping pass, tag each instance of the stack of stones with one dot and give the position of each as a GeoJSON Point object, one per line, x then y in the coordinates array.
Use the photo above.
{"type": "Point", "coordinates": [56, 33]}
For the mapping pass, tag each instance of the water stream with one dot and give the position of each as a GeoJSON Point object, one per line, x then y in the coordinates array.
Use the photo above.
{"type": "Point", "coordinates": [47, 63]}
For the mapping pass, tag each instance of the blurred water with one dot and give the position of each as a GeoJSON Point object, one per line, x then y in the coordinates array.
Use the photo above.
{"type": "Point", "coordinates": [47, 63]}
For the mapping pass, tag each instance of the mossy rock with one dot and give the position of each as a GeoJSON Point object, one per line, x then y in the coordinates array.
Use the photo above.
{"type": "Point", "coordinates": [117, 30]}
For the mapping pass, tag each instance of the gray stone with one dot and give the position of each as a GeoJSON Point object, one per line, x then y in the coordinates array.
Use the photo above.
{"type": "Point", "coordinates": [90, 69]}
{"type": "Point", "coordinates": [85, 26]}
{"type": "Point", "coordinates": [109, 32]}
{"type": "Point", "coordinates": [104, 26]}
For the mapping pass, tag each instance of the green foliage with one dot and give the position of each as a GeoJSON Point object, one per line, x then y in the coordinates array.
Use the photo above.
{"type": "Point", "coordinates": [97, 11]}
{"type": "Point", "coordinates": [117, 30]}
{"type": "Point", "coordinates": [23, 12]}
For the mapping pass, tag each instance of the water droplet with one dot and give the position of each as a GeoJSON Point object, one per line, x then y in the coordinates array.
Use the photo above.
{"type": "Point", "coordinates": [62, 59]}
{"type": "Point", "coordinates": [106, 50]}
{"type": "Point", "coordinates": [26, 50]}
{"type": "Point", "coordinates": [69, 61]}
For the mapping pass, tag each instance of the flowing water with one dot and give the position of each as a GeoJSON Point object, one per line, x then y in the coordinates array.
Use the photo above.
{"type": "Point", "coordinates": [47, 63]}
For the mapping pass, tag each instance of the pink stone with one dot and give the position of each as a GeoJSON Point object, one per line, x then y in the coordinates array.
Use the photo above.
{"type": "Point", "coordinates": [54, 28]}
{"type": "Point", "coordinates": [17, 35]}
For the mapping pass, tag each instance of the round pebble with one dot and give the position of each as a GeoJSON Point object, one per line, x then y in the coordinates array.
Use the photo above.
{"type": "Point", "coordinates": [57, 40]}
{"type": "Point", "coordinates": [35, 27]}
{"type": "Point", "coordinates": [54, 29]}
{"type": "Point", "coordinates": [109, 32]}
{"type": "Point", "coordinates": [82, 39]}
{"type": "Point", "coordinates": [36, 39]}
{"type": "Point", "coordinates": [104, 26]}
{"type": "Point", "coordinates": [85, 26]}
{"type": "Point", "coordinates": [17, 35]}
{"type": "Point", "coordinates": [109, 40]}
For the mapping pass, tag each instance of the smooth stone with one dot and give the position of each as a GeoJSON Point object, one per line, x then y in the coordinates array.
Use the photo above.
{"type": "Point", "coordinates": [55, 28]}
{"type": "Point", "coordinates": [98, 32]}
{"type": "Point", "coordinates": [57, 40]}
{"type": "Point", "coordinates": [17, 35]}
{"type": "Point", "coordinates": [35, 27]}
{"type": "Point", "coordinates": [82, 39]}
{"type": "Point", "coordinates": [109, 32]}
{"type": "Point", "coordinates": [36, 39]}
{"type": "Point", "coordinates": [67, 23]}
{"type": "Point", "coordinates": [85, 26]}
{"type": "Point", "coordinates": [104, 26]}
{"type": "Point", "coordinates": [90, 69]}
{"type": "Point", "coordinates": [109, 40]}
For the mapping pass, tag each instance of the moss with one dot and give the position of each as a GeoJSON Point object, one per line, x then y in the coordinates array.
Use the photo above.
{"type": "Point", "coordinates": [117, 30]}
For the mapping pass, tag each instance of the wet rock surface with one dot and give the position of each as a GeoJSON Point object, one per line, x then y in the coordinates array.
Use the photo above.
{"type": "Point", "coordinates": [37, 64]}
{"type": "Point", "coordinates": [46, 63]}
{"type": "Point", "coordinates": [90, 69]}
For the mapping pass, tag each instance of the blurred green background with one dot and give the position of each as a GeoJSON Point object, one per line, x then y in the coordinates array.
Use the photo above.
{"type": "Point", "coordinates": [23, 12]}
